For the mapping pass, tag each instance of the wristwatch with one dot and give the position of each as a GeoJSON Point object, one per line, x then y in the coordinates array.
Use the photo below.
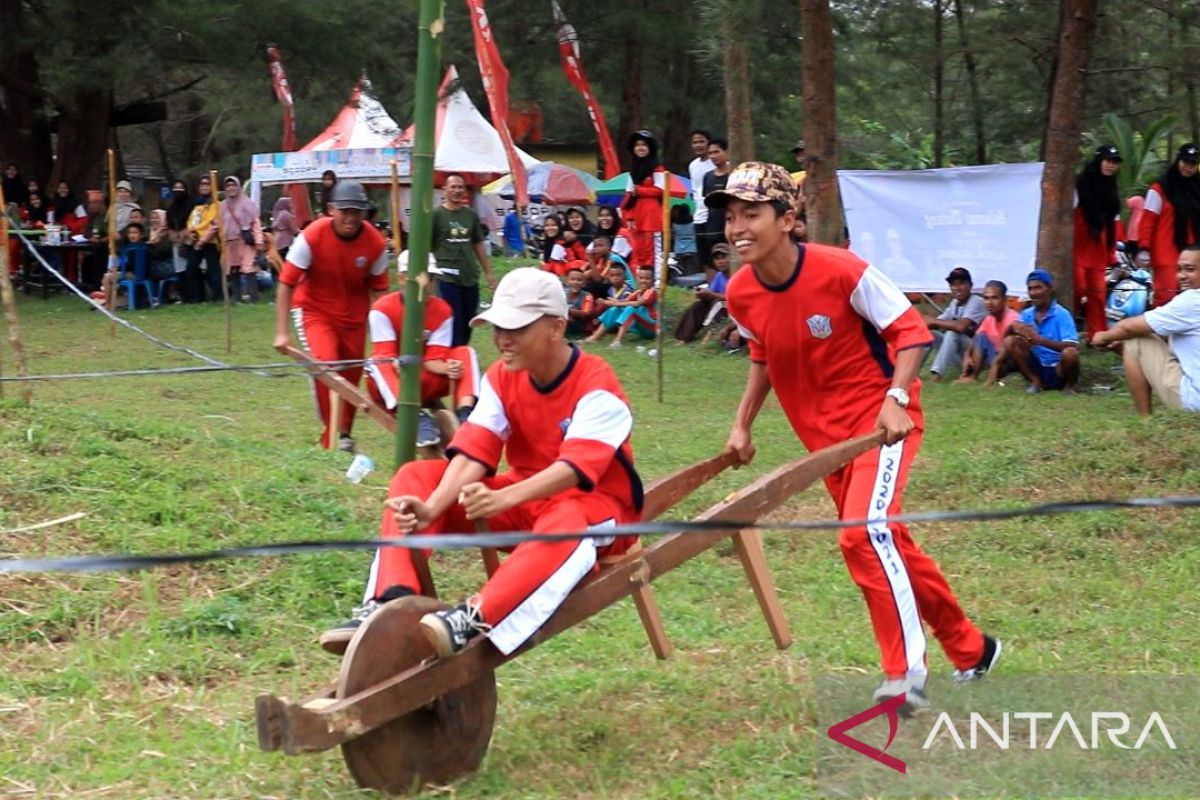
{"type": "Point", "coordinates": [899, 395]}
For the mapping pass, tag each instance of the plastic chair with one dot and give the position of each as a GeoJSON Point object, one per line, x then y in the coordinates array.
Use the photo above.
{"type": "Point", "coordinates": [161, 287]}
{"type": "Point", "coordinates": [135, 258]}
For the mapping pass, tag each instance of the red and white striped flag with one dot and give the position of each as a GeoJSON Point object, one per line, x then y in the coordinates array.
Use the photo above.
{"type": "Point", "coordinates": [568, 49]}
{"type": "Point", "coordinates": [495, 85]}
{"type": "Point", "coordinates": [283, 91]}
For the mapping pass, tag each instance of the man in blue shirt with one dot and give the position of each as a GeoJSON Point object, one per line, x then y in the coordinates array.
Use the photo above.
{"type": "Point", "coordinates": [1044, 343]}
{"type": "Point", "coordinates": [710, 301]}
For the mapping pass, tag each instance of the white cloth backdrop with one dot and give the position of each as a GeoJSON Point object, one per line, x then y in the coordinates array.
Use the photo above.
{"type": "Point", "coordinates": [917, 225]}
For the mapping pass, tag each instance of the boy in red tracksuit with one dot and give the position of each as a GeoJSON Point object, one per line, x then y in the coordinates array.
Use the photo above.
{"type": "Point", "coordinates": [1171, 221]}
{"type": "Point", "coordinates": [334, 270]}
{"type": "Point", "coordinates": [841, 346]}
{"type": "Point", "coordinates": [560, 420]}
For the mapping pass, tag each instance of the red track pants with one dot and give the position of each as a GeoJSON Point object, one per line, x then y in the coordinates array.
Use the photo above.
{"type": "Point", "coordinates": [901, 584]}
{"type": "Point", "coordinates": [329, 340]}
{"type": "Point", "coordinates": [1090, 282]}
{"type": "Point", "coordinates": [383, 381]}
{"type": "Point", "coordinates": [534, 579]}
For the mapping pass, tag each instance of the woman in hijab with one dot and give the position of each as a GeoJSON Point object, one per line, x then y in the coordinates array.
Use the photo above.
{"type": "Point", "coordinates": [577, 221]}
{"type": "Point", "coordinates": [180, 207]}
{"type": "Point", "coordinates": [1171, 221]}
{"type": "Point", "coordinates": [608, 221]}
{"type": "Point", "coordinates": [1097, 231]}
{"type": "Point", "coordinates": [283, 225]}
{"type": "Point", "coordinates": [328, 181]}
{"type": "Point", "coordinates": [15, 190]}
{"type": "Point", "coordinates": [35, 211]}
{"type": "Point", "coordinates": [243, 237]}
{"type": "Point", "coordinates": [643, 199]}
{"type": "Point", "coordinates": [68, 211]}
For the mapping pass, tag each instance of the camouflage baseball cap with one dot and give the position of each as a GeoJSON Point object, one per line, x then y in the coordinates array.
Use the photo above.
{"type": "Point", "coordinates": [756, 182]}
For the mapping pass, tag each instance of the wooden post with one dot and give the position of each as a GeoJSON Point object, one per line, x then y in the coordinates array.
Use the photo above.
{"type": "Point", "coordinates": [663, 277]}
{"type": "Point", "coordinates": [111, 300]}
{"type": "Point", "coordinates": [223, 266]}
{"type": "Point", "coordinates": [397, 231]}
{"type": "Point", "coordinates": [10, 304]}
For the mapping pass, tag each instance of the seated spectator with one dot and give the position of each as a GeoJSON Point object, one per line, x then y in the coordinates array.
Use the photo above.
{"type": "Point", "coordinates": [595, 271]}
{"type": "Point", "coordinates": [683, 240]}
{"type": "Point", "coordinates": [1044, 343]}
{"type": "Point", "coordinates": [33, 188]}
{"type": "Point", "coordinates": [635, 311]}
{"type": "Point", "coordinates": [578, 223]}
{"type": "Point", "coordinates": [608, 221]}
{"type": "Point", "coordinates": [135, 217]}
{"type": "Point", "coordinates": [554, 251]}
{"type": "Point", "coordinates": [1170, 369]}
{"type": "Point", "coordinates": [95, 262]}
{"type": "Point", "coordinates": [954, 329]}
{"type": "Point", "coordinates": [125, 204]}
{"type": "Point", "coordinates": [987, 350]}
{"type": "Point", "coordinates": [129, 249]}
{"type": "Point", "coordinates": [67, 209]}
{"type": "Point", "coordinates": [35, 213]}
{"type": "Point", "coordinates": [609, 306]}
{"type": "Point", "coordinates": [15, 188]}
{"type": "Point", "coordinates": [162, 252]}
{"type": "Point", "coordinates": [710, 299]}
{"type": "Point", "coordinates": [581, 305]}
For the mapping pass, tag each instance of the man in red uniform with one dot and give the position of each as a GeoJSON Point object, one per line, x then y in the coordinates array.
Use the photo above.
{"type": "Point", "coordinates": [561, 421]}
{"type": "Point", "coordinates": [1171, 221]}
{"type": "Point", "coordinates": [841, 346]}
{"type": "Point", "coordinates": [334, 270]}
{"type": "Point", "coordinates": [442, 363]}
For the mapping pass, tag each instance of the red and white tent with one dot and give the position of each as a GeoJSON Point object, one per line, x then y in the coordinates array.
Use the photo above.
{"type": "Point", "coordinates": [362, 123]}
{"type": "Point", "coordinates": [466, 141]}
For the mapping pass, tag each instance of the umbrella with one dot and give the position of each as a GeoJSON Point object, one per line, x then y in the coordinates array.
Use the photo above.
{"type": "Point", "coordinates": [552, 184]}
{"type": "Point", "coordinates": [680, 186]}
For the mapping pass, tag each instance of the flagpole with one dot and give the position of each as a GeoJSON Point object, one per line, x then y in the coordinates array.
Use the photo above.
{"type": "Point", "coordinates": [421, 227]}
{"type": "Point", "coordinates": [664, 276]}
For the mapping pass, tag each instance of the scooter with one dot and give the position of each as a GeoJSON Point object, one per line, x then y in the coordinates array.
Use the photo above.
{"type": "Point", "coordinates": [1129, 289]}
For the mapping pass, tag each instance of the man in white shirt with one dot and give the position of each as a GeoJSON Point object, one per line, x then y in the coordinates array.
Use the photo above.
{"type": "Point", "coordinates": [698, 167]}
{"type": "Point", "coordinates": [1170, 369]}
{"type": "Point", "coordinates": [954, 329]}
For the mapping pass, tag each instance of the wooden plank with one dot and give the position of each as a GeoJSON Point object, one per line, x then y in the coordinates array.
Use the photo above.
{"type": "Point", "coordinates": [666, 492]}
{"type": "Point", "coordinates": [345, 390]}
{"type": "Point", "coordinates": [295, 729]}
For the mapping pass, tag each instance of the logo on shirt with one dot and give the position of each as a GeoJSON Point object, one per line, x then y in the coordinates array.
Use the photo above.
{"type": "Point", "coordinates": [562, 426]}
{"type": "Point", "coordinates": [361, 262]}
{"type": "Point", "coordinates": [819, 326]}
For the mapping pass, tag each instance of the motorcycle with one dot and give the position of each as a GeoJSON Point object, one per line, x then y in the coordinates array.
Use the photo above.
{"type": "Point", "coordinates": [1129, 289]}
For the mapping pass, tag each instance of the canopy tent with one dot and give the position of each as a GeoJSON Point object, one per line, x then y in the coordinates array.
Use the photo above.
{"type": "Point", "coordinates": [362, 122]}
{"type": "Point", "coordinates": [466, 141]}
{"type": "Point", "coordinates": [552, 184]}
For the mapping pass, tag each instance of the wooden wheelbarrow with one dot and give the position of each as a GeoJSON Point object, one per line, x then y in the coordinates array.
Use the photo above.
{"type": "Point", "coordinates": [405, 719]}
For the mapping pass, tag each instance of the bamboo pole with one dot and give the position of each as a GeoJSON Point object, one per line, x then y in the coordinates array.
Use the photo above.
{"type": "Point", "coordinates": [664, 276]}
{"type": "Point", "coordinates": [110, 273]}
{"type": "Point", "coordinates": [397, 231]}
{"type": "Point", "coordinates": [223, 266]}
{"type": "Point", "coordinates": [419, 241]}
{"type": "Point", "coordinates": [10, 305]}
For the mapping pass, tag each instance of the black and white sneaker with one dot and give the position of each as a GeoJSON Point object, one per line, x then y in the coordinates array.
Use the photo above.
{"type": "Point", "coordinates": [913, 689]}
{"type": "Point", "coordinates": [428, 433]}
{"type": "Point", "coordinates": [346, 443]}
{"type": "Point", "coordinates": [987, 662]}
{"type": "Point", "coordinates": [337, 639]}
{"type": "Point", "coordinates": [452, 629]}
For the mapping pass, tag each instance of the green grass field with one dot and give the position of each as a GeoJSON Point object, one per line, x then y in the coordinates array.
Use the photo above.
{"type": "Point", "coordinates": [142, 684]}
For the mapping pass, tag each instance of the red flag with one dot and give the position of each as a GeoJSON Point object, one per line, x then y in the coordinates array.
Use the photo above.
{"type": "Point", "coordinates": [568, 49]}
{"type": "Point", "coordinates": [495, 85]}
{"type": "Point", "coordinates": [300, 206]}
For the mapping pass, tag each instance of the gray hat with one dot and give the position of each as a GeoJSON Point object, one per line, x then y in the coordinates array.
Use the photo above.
{"type": "Point", "coordinates": [350, 194]}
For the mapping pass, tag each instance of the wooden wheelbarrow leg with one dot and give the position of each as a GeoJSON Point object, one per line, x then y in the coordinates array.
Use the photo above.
{"type": "Point", "coordinates": [344, 389]}
{"type": "Point", "coordinates": [749, 546]}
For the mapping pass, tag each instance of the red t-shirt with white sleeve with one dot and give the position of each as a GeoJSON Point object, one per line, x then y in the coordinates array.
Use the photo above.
{"type": "Point", "coordinates": [334, 277]}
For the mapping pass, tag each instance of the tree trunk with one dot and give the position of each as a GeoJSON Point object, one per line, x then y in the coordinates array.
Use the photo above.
{"type": "Point", "coordinates": [632, 110]}
{"type": "Point", "coordinates": [1189, 53]}
{"type": "Point", "coordinates": [1176, 64]}
{"type": "Point", "coordinates": [736, 57]}
{"type": "Point", "coordinates": [676, 142]}
{"type": "Point", "coordinates": [939, 79]}
{"type": "Point", "coordinates": [24, 131]}
{"type": "Point", "coordinates": [820, 124]}
{"type": "Point", "coordinates": [972, 84]}
{"type": "Point", "coordinates": [1063, 130]}
{"type": "Point", "coordinates": [82, 139]}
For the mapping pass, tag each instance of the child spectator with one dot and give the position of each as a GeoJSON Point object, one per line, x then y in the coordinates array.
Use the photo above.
{"type": "Point", "coordinates": [595, 272]}
{"type": "Point", "coordinates": [635, 312]}
{"type": "Point", "coordinates": [609, 306]}
{"type": "Point", "coordinates": [710, 300]}
{"type": "Point", "coordinates": [578, 222]}
{"type": "Point", "coordinates": [987, 349]}
{"type": "Point", "coordinates": [581, 306]}
{"type": "Point", "coordinates": [608, 221]}
{"type": "Point", "coordinates": [683, 239]}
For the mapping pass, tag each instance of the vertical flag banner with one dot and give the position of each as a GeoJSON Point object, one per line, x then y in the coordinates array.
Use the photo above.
{"type": "Point", "coordinates": [495, 85]}
{"type": "Point", "coordinates": [283, 91]}
{"type": "Point", "coordinates": [568, 49]}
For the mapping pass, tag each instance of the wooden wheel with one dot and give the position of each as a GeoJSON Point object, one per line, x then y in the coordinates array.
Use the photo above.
{"type": "Point", "coordinates": [435, 744]}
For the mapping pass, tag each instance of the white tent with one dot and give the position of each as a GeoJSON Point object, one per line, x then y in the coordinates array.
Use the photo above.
{"type": "Point", "coordinates": [362, 122]}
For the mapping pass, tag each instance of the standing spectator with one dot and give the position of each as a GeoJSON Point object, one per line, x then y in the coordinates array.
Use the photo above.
{"type": "Point", "coordinates": [683, 239]}
{"type": "Point", "coordinates": [1137, 207]}
{"type": "Point", "coordinates": [1171, 220]}
{"type": "Point", "coordinates": [460, 245]}
{"type": "Point", "coordinates": [243, 238]}
{"type": "Point", "coordinates": [643, 199]}
{"type": "Point", "coordinates": [1044, 343]}
{"type": "Point", "coordinates": [329, 180]}
{"type": "Point", "coordinates": [710, 300]}
{"type": "Point", "coordinates": [712, 232]}
{"type": "Point", "coordinates": [798, 177]}
{"type": "Point", "coordinates": [1170, 369]}
{"type": "Point", "coordinates": [841, 346]}
{"type": "Point", "coordinates": [15, 188]}
{"type": "Point", "coordinates": [608, 222]}
{"type": "Point", "coordinates": [202, 239]}
{"type": "Point", "coordinates": [335, 270]}
{"type": "Point", "coordinates": [698, 167]}
{"type": "Point", "coordinates": [987, 350]}
{"type": "Point", "coordinates": [954, 329]}
{"type": "Point", "coordinates": [1098, 228]}
{"type": "Point", "coordinates": [283, 225]}
{"type": "Point", "coordinates": [177, 221]}
{"type": "Point", "coordinates": [582, 227]}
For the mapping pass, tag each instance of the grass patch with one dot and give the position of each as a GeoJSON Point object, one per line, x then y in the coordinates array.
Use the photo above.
{"type": "Point", "coordinates": [142, 684]}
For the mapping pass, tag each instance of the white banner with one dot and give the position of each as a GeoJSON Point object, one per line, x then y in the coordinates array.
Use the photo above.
{"type": "Point", "coordinates": [917, 225]}
{"type": "Point", "coordinates": [369, 164]}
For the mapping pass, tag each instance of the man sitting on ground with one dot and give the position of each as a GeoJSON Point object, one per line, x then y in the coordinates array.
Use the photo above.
{"type": "Point", "coordinates": [441, 365]}
{"type": "Point", "coordinates": [560, 420]}
{"type": "Point", "coordinates": [1171, 368]}
{"type": "Point", "coordinates": [710, 301]}
{"type": "Point", "coordinates": [954, 329]}
{"type": "Point", "coordinates": [987, 351]}
{"type": "Point", "coordinates": [1044, 342]}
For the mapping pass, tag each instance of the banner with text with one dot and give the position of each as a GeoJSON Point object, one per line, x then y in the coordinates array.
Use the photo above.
{"type": "Point", "coordinates": [917, 225]}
